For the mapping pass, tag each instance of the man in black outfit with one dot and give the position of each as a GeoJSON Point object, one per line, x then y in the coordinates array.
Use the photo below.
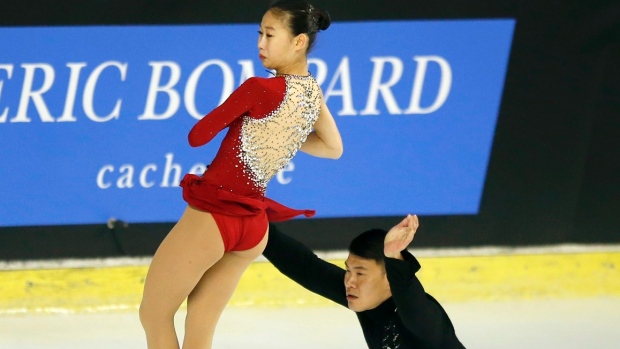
{"type": "Point", "coordinates": [379, 285]}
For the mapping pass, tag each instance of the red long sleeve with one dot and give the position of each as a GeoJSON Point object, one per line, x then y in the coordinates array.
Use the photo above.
{"type": "Point", "coordinates": [239, 103]}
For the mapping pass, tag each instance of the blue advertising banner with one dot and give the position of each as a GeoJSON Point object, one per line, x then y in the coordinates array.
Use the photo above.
{"type": "Point", "coordinates": [94, 120]}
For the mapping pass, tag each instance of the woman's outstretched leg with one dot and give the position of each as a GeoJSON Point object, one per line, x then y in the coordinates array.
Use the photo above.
{"type": "Point", "coordinates": [209, 298]}
{"type": "Point", "coordinates": [192, 247]}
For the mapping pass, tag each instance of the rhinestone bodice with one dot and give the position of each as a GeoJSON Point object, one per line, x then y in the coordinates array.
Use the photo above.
{"type": "Point", "coordinates": [269, 143]}
{"type": "Point", "coordinates": [268, 120]}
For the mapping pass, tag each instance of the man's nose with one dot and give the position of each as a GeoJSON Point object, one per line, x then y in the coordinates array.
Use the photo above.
{"type": "Point", "coordinates": [349, 281]}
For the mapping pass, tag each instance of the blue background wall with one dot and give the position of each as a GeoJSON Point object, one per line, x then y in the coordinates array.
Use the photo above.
{"type": "Point", "coordinates": [552, 174]}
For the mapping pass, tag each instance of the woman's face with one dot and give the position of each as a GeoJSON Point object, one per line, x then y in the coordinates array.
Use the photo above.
{"type": "Point", "coordinates": [277, 47]}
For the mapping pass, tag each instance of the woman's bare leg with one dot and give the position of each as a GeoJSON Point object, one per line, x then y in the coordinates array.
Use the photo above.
{"type": "Point", "coordinates": [192, 247]}
{"type": "Point", "coordinates": [209, 298]}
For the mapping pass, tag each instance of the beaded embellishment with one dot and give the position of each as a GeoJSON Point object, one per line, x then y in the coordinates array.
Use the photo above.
{"type": "Point", "coordinates": [270, 142]}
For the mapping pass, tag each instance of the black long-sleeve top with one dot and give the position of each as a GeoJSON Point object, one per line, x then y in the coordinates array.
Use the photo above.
{"type": "Point", "coordinates": [410, 319]}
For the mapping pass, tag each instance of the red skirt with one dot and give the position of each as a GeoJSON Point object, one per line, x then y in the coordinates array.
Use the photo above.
{"type": "Point", "coordinates": [209, 197]}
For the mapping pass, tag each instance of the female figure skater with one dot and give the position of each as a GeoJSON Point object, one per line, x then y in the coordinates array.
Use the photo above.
{"type": "Point", "coordinates": [225, 225]}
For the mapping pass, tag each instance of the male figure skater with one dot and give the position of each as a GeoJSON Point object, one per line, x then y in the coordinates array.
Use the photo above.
{"type": "Point", "coordinates": [379, 285]}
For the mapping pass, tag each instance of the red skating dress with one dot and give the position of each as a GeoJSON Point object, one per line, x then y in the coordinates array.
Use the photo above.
{"type": "Point", "coordinates": [268, 119]}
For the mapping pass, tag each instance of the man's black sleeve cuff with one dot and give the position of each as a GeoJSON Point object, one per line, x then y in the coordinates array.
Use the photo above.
{"type": "Point", "coordinates": [400, 272]}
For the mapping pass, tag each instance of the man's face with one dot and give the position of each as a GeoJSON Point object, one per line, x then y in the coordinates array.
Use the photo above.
{"type": "Point", "coordinates": [366, 283]}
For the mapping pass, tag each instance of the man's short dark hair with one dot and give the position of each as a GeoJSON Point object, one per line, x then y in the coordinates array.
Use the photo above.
{"type": "Point", "coordinates": [369, 245]}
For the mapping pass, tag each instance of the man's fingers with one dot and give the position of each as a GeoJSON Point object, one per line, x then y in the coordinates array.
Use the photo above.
{"type": "Point", "coordinates": [415, 222]}
{"type": "Point", "coordinates": [404, 222]}
{"type": "Point", "coordinates": [410, 223]}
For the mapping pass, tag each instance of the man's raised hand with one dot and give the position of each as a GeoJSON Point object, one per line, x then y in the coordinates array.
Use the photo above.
{"type": "Point", "coordinates": [400, 236]}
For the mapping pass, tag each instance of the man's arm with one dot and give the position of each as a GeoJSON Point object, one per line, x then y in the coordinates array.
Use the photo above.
{"type": "Point", "coordinates": [420, 313]}
{"type": "Point", "coordinates": [299, 263]}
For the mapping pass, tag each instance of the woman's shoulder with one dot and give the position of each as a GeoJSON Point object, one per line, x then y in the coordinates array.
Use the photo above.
{"type": "Point", "coordinates": [265, 85]}
{"type": "Point", "coordinates": [262, 81]}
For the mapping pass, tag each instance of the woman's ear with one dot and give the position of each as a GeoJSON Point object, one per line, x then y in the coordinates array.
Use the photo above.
{"type": "Point", "coordinates": [301, 42]}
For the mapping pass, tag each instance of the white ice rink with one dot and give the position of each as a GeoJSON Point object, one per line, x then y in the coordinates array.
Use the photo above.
{"type": "Point", "coordinates": [552, 324]}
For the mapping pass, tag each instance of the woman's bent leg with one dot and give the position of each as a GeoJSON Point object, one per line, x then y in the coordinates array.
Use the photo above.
{"type": "Point", "coordinates": [209, 298]}
{"type": "Point", "coordinates": [191, 248]}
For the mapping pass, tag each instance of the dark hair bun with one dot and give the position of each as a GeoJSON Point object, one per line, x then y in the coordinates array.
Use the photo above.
{"type": "Point", "coordinates": [302, 18]}
{"type": "Point", "coordinates": [323, 20]}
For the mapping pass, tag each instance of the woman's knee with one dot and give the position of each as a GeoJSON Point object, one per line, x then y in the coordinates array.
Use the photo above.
{"type": "Point", "coordinates": [152, 315]}
{"type": "Point", "coordinates": [144, 318]}
{"type": "Point", "coordinates": [146, 315]}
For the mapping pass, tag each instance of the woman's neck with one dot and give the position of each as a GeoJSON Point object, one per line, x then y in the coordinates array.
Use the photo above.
{"type": "Point", "coordinates": [300, 68]}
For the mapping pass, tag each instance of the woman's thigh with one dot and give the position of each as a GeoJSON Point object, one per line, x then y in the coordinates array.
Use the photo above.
{"type": "Point", "coordinates": [192, 247]}
{"type": "Point", "coordinates": [211, 295]}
